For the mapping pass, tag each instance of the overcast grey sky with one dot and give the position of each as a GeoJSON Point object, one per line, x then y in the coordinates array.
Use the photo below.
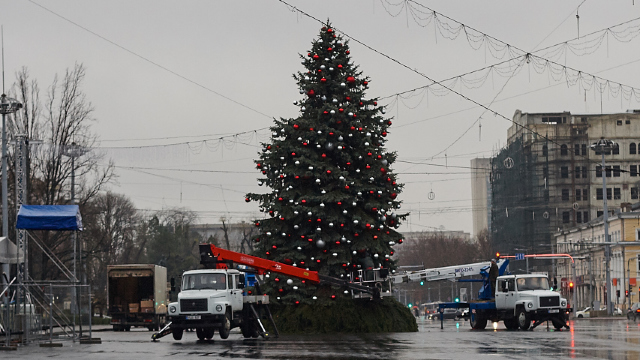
{"type": "Point", "coordinates": [167, 72]}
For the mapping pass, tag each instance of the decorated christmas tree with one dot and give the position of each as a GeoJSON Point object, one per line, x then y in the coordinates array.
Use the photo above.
{"type": "Point", "coordinates": [333, 194]}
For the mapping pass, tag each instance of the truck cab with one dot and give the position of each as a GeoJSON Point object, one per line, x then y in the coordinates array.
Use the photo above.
{"type": "Point", "coordinates": [527, 297]}
{"type": "Point", "coordinates": [209, 299]}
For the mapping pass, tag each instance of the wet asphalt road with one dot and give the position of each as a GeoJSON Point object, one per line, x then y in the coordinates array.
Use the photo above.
{"type": "Point", "coordinates": [587, 339]}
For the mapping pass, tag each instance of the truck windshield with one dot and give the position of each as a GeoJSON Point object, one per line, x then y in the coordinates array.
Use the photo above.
{"type": "Point", "coordinates": [204, 281]}
{"type": "Point", "coordinates": [533, 283]}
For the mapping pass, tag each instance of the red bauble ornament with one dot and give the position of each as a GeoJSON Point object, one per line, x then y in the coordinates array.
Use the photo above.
{"type": "Point", "coordinates": [258, 165]}
{"type": "Point", "coordinates": [361, 104]}
{"type": "Point", "coordinates": [280, 199]}
{"type": "Point", "coordinates": [269, 147]}
{"type": "Point", "coordinates": [319, 70]}
{"type": "Point", "coordinates": [384, 133]}
{"type": "Point", "coordinates": [316, 57]}
{"type": "Point", "coordinates": [353, 128]}
{"type": "Point", "coordinates": [328, 171]}
{"type": "Point", "coordinates": [293, 154]}
{"type": "Point", "coordinates": [329, 49]}
{"type": "Point", "coordinates": [295, 126]}
{"type": "Point", "coordinates": [400, 241]}
{"type": "Point", "coordinates": [394, 195]}
{"type": "Point", "coordinates": [369, 154]}
{"type": "Point", "coordinates": [329, 30]}
{"type": "Point", "coordinates": [257, 224]}
{"type": "Point", "coordinates": [347, 52]}
{"type": "Point", "coordinates": [324, 155]}
{"type": "Point", "coordinates": [346, 187]}
{"type": "Point", "coordinates": [375, 103]}
{"type": "Point", "coordinates": [341, 110]}
{"type": "Point", "coordinates": [366, 83]}
{"type": "Point", "coordinates": [348, 98]}
{"type": "Point", "coordinates": [383, 170]}
{"type": "Point", "coordinates": [354, 115]}
{"type": "Point", "coordinates": [311, 93]}
{"type": "Point", "coordinates": [323, 80]}
{"type": "Point", "coordinates": [325, 112]}
{"type": "Point", "coordinates": [389, 122]}
{"type": "Point", "coordinates": [309, 54]}
{"type": "Point", "coordinates": [247, 199]}
{"type": "Point", "coordinates": [339, 66]}
{"type": "Point", "coordinates": [351, 79]}
{"type": "Point", "coordinates": [303, 201]}
{"type": "Point", "coordinates": [368, 167]}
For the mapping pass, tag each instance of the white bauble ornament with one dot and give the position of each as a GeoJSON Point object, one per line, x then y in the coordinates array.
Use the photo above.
{"type": "Point", "coordinates": [324, 98]}
{"type": "Point", "coordinates": [343, 84]}
{"type": "Point", "coordinates": [344, 212]}
{"type": "Point", "coordinates": [376, 256]}
{"type": "Point", "coordinates": [331, 69]}
{"type": "Point", "coordinates": [340, 138]}
{"type": "Point", "coordinates": [321, 204]}
{"type": "Point", "coordinates": [320, 243]}
{"type": "Point", "coordinates": [341, 177]}
{"type": "Point", "coordinates": [354, 252]}
{"type": "Point", "coordinates": [318, 182]}
{"type": "Point", "coordinates": [358, 170]}
{"type": "Point", "coordinates": [301, 91]}
{"type": "Point", "coordinates": [343, 239]}
{"type": "Point", "coordinates": [335, 254]}
{"type": "Point", "coordinates": [295, 288]}
{"type": "Point", "coordinates": [295, 212]}
{"type": "Point", "coordinates": [299, 139]}
{"type": "Point", "coordinates": [322, 67]}
{"type": "Point", "coordinates": [332, 112]}
{"type": "Point", "coordinates": [330, 224]}
{"type": "Point", "coordinates": [310, 167]}
{"type": "Point", "coordinates": [339, 147]}
{"type": "Point", "coordinates": [367, 134]}
{"type": "Point", "coordinates": [268, 233]}
{"type": "Point", "coordinates": [304, 108]}
{"type": "Point", "coordinates": [299, 248]}
{"type": "Point", "coordinates": [318, 146]}
{"type": "Point", "coordinates": [366, 143]}
{"type": "Point", "coordinates": [309, 213]}
{"type": "Point", "coordinates": [384, 162]}
{"type": "Point", "coordinates": [289, 282]}
{"type": "Point", "coordinates": [297, 162]}
{"type": "Point", "coordinates": [323, 192]}
{"type": "Point", "coordinates": [329, 146]}
{"type": "Point", "coordinates": [350, 135]}
{"type": "Point", "coordinates": [355, 222]}
{"type": "Point", "coordinates": [306, 78]}
{"type": "Point", "coordinates": [296, 227]}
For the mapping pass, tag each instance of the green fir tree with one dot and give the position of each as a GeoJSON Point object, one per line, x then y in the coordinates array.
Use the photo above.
{"type": "Point", "coordinates": [333, 199]}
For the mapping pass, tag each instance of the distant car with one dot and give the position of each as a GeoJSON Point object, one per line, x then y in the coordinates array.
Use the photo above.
{"type": "Point", "coordinates": [634, 312]}
{"type": "Point", "coordinates": [448, 313]}
{"type": "Point", "coordinates": [617, 311]}
{"type": "Point", "coordinates": [464, 314]}
{"type": "Point", "coordinates": [584, 313]}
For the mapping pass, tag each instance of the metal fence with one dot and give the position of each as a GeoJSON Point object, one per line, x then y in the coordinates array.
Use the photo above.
{"type": "Point", "coordinates": [39, 312]}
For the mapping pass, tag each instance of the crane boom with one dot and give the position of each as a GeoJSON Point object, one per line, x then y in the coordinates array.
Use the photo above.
{"type": "Point", "coordinates": [447, 272]}
{"type": "Point", "coordinates": [211, 256]}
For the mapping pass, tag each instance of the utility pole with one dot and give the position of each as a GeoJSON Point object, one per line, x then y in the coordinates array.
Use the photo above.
{"type": "Point", "coordinates": [603, 145]}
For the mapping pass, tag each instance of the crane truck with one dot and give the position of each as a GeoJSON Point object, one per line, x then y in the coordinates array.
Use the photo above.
{"type": "Point", "coordinates": [213, 298]}
{"type": "Point", "coordinates": [521, 301]}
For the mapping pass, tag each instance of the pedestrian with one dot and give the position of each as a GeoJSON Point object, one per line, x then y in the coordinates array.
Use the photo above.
{"type": "Point", "coordinates": [493, 275]}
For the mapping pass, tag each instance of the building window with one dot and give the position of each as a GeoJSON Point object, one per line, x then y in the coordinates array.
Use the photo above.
{"type": "Point", "coordinates": [578, 217]}
{"type": "Point", "coordinates": [616, 171]}
{"type": "Point", "coordinates": [566, 217]}
{"type": "Point", "coordinates": [616, 150]}
{"type": "Point", "coordinates": [627, 122]}
{"type": "Point", "coordinates": [565, 194]}
{"type": "Point", "coordinates": [616, 194]}
{"type": "Point", "coordinates": [545, 172]}
{"type": "Point", "coordinates": [633, 170]}
{"type": "Point", "coordinates": [599, 193]}
{"type": "Point", "coordinates": [579, 195]}
{"type": "Point", "coordinates": [584, 149]}
{"type": "Point", "coordinates": [585, 216]}
{"type": "Point", "coordinates": [564, 151]}
{"type": "Point", "coordinates": [619, 122]}
{"type": "Point", "coordinates": [564, 172]}
{"type": "Point", "coordinates": [608, 170]}
{"type": "Point", "coordinates": [598, 214]}
{"type": "Point", "coordinates": [632, 148]}
{"type": "Point", "coordinates": [634, 193]}
{"type": "Point", "coordinates": [576, 150]}
{"type": "Point", "coordinates": [585, 194]}
{"type": "Point", "coordinates": [545, 150]}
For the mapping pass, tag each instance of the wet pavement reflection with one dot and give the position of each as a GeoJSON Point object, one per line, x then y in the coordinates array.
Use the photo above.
{"type": "Point", "coordinates": [594, 339]}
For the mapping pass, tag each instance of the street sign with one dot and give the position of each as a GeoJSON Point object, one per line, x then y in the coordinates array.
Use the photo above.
{"type": "Point", "coordinates": [519, 256]}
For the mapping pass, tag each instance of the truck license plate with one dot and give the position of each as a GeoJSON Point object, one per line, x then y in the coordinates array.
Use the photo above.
{"type": "Point", "coordinates": [554, 311]}
{"type": "Point", "coordinates": [193, 317]}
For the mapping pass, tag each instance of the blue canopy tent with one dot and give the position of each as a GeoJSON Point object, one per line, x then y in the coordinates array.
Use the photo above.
{"type": "Point", "coordinates": [49, 217]}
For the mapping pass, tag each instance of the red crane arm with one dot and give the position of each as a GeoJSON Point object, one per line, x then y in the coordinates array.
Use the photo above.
{"type": "Point", "coordinates": [264, 265]}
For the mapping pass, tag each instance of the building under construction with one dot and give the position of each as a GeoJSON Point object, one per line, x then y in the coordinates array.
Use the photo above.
{"type": "Point", "coordinates": [547, 178]}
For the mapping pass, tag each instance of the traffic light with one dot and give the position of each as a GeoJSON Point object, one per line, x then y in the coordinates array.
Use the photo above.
{"type": "Point", "coordinates": [457, 300]}
{"type": "Point", "coordinates": [571, 287]}
{"type": "Point", "coordinates": [617, 293]}
{"type": "Point", "coordinates": [409, 306]}
{"type": "Point", "coordinates": [421, 282]}
{"type": "Point", "coordinates": [626, 293]}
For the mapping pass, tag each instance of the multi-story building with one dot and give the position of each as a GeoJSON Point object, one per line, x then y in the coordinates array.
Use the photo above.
{"type": "Point", "coordinates": [588, 269]}
{"type": "Point", "coordinates": [547, 178]}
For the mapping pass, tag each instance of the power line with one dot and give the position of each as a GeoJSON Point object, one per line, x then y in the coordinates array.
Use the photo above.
{"type": "Point", "coordinates": [149, 60]}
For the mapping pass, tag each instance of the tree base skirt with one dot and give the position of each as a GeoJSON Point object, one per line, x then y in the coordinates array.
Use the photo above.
{"type": "Point", "coordinates": [345, 316]}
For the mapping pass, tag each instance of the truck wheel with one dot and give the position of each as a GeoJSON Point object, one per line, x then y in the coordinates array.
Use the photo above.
{"type": "Point", "coordinates": [200, 333]}
{"type": "Point", "coordinates": [127, 328]}
{"type": "Point", "coordinates": [177, 334]}
{"type": "Point", "coordinates": [117, 327]}
{"type": "Point", "coordinates": [208, 333]}
{"type": "Point", "coordinates": [511, 324]}
{"type": "Point", "coordinates": [477, 322]}
{"type": "Point", "coordinates": [523, 319]}
{"type": "Point", "coordinates": [246, 330]}
{"type": "Point", "coordinates": [226, 326]}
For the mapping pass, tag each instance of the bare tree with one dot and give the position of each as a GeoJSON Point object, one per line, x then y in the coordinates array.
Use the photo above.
{"type": "Point", "coordinates": [62, 120]}
{"type": "Point", "coordinates": [111, 227]}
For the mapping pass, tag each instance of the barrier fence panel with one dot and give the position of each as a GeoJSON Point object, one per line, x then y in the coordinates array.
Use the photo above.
{"type": "Point", "coordinates": [46, 312]}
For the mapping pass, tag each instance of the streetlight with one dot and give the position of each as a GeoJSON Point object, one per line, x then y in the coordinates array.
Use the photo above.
{"type": "Point", "coordinates": [603, 145]}
{"type": "Point", "coordinates": [7, 106]}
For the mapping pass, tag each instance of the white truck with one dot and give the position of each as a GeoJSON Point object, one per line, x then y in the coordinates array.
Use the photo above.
{"type": "Point", "coordinates": [214, 298]}
{"type": "Point", "coordinates": [521, 300]}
